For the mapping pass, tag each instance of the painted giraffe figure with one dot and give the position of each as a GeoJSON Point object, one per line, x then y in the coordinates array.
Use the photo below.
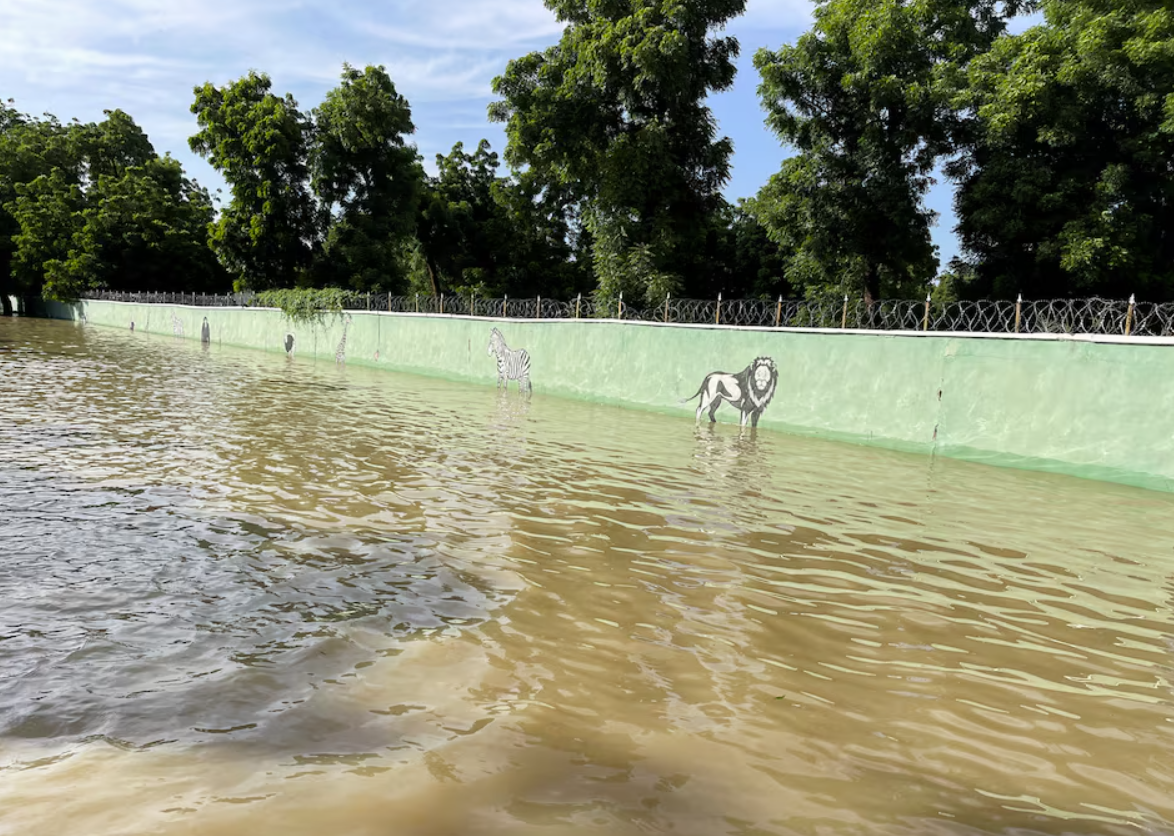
{"type": "Point", "coordinates": [340, 352]}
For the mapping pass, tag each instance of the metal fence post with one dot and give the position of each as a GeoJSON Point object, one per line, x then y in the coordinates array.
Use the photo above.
{"type": "Point", "coordinates": [779, 311]}
{"type": "Point", "coordinates": [442, 303]}
{"type": "Point", "coordinates": [717, 315]}
{"type": "Point", "coordinates": [620, 308]}
{"type": "Point", "coordinates": [538, 308]}
{"type": "Point", "coordinates": [417, 303]}
{"type": "Point", "coordinates": [389, 301]}
{"type": "Point", "coordinates": [368, 300]}
{"type": "Point", "coordinates": [844, 316]}
{"type": "Point", "coordinates": [504, 301]}
{"type": "Point", "coordinates": [1018, 311]}
{"type": "Point", "coordinates": [1129, 314]}
{"type": "Point", "coordinates": [666, 307]}
{"type": "Point", "coordinates": [578, 301]}
{"type": "Point", "coordinates": [925, 319]}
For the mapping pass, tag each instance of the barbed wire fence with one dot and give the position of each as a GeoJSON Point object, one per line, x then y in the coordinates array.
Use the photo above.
{"type": "Point", "coordinates": [1047, 316]}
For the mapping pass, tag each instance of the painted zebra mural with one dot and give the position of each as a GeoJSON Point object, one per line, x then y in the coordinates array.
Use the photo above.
{"type": "Point", "coordinates": [512, 364]}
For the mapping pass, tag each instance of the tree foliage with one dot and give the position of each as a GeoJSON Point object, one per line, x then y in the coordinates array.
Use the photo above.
{"type": "Point", "coordinates": [865, 99]}
{"type": "Point", "coordinates": [1065, 182]}
{"type": "Point", "coordinates": [259, 142]}
{"type": "Point", "coordinates": [91, 205]}
{"type": "Point", "coordinates": [1059, 140]}
{"type": "Point", "coordinates": [614, 116]}
{"type": "Point", "coordinates": [367, 180]}
{"type": "Point", "coordinates": [494, 235]}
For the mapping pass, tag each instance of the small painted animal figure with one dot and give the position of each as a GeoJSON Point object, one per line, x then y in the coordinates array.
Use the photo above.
{"type": "Point", "coordinates": [512, 364]}
{"type": "Point", "coordinates": [749, 391]}
{"type": "Point", "coordinates": [340, 352]}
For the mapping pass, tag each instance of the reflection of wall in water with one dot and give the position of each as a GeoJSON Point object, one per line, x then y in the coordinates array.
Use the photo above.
{"type": "Point", "coordinates": [732, 458]}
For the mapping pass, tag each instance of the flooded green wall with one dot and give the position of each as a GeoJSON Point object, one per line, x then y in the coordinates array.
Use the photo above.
{"type": "Point", "coordinates": [1093, 409]}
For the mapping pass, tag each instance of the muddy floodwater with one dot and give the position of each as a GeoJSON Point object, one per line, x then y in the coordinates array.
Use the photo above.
{"type": "Point", "coordinates": [247, 593]}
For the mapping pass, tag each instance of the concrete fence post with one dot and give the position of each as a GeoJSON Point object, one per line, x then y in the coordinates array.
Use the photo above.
{"type": "Point", "coordinates": [1129, 314]}
{"type": "Point", "coordinates": [925, 319]}
{"type": "Point", "coordinates": [504, 301]}
{"type": "Point", "coordinates": [538, 308]}
{"type": "Point", "coordinates": [1018, 311]}
{"type": "Point", "coordinates": [779, 311]}
{"type": "Point", "coordinates": [666, 307]}
{"type": "Point", "coordinates": [620, 307]}
{"type": "Point", "coordinates": [578, 301]}
{"type": "Point", "coordinates": [717, 314]}
{"type": "Point", "coordinates": [844, 316]}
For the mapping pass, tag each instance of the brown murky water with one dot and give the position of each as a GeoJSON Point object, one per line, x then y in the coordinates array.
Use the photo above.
{"type": "Point", "coordinates": [248, 594]}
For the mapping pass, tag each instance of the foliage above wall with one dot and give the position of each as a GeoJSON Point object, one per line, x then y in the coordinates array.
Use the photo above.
{"type": "Point", "coordinates": [1058, 140]}
{"type": "Point", "coordinates": [304, 304]}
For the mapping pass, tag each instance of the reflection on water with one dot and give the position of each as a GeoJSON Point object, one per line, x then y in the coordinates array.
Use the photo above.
{"type": "Point", "coordinates": [248, 594]}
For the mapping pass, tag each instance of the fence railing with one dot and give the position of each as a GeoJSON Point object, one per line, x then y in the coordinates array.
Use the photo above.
{"type": "Point", "coordinates": [1048, 316]}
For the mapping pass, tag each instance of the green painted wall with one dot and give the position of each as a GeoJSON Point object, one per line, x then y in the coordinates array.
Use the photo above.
{"type": "Point", "coordinates": [1100, 410]}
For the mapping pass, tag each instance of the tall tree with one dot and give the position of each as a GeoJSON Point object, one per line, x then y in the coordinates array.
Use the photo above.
{"type": "Point", "coordinates": [461, 226]}
{"type": "Point", "coordinates": [72, 227]}
{"type": "Point", "coordinates": [76, 153]}
{"type": "Point", "coordinates": [614, 115]}
{"type": "Point", "coordinates": [367, 179]}
{"type": "Point", "coordinates": [1065, 185]}
{"type": "Point", "coordinates": [48, 214]}
{"type": "Point", "coordinates": [485, 233]}
{"type": "Point", "coordinates": [865, 99]}
{"type": "Point", "coordinates": [259, 142]}
{"type": "Point", "coordinates": [144, 229]}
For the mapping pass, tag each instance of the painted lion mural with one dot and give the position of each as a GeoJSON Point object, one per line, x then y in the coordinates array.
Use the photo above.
{"type": "Point", "coordinates": [749, 391]}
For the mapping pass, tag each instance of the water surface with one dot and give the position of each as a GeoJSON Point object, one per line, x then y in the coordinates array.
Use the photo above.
{"type": "Point", "coordinates": [243, 593]}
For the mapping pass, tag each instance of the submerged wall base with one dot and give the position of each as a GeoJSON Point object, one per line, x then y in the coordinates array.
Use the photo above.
{"type": "Point", "coordinates": [1085, 407]}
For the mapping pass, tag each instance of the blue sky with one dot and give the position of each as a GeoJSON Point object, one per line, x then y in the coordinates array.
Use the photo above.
{"type": "Point", "coordinates": [74, 58]}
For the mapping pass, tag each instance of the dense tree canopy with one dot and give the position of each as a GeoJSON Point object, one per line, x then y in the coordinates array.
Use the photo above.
{"type": "Point", "coordinates": [1058, 140]}
{"type": "Point", "coordinates": [259, 142]}
{"type": "Point", "coordinates": [483, 233]}
{"type": "Point", "coordinates": [1066, 181]}
{"type": "Point", "coordinates": [367, 180]}
{"type": "Point", "coordinates": [865, 99]}
{"type": "Point", "coordinates": [615, 115]}
{"type": "Point", "coordinates": [91, 205]}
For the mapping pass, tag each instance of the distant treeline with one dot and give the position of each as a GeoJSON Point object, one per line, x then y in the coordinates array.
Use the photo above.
{"type": "Point", "coordinates": [1059, 142]}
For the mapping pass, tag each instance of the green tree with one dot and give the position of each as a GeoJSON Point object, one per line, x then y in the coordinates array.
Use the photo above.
{"type": "Point", "coordinates": [756, 264]}
{"type": "Point", "coordinates": [259, 142]}
{"type": "Point", "coordinates": [613, 116]}
{"type": "Point", "coordinates": [367, 179]}
{"type": "Point", "coordinates": [1065, 184]}
{"type": "Point", "coordinates": [493, 235]}
{"type": "Point", "coordinates": [50, 177]}
{"type": "Point", "coordinates": [32, 148]}
{"type": "Point", "coordinates": [865, 99]}
{"type": "Point", "coordinates": [144, 229]}
{"type": "Point", "coordinates": [47, 212]}
{"type": "Point", "coordinates": [542, 253]}
{"type": "Point", "coordinates": [460, 223]}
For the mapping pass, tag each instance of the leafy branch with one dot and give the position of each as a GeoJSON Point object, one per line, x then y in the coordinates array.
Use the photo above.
{"type": "Point", "coordinates": [304, 304]}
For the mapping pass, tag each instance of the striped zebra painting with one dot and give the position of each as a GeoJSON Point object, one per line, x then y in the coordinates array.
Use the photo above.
{"type": "Point", "coordinates": [512, 364]}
